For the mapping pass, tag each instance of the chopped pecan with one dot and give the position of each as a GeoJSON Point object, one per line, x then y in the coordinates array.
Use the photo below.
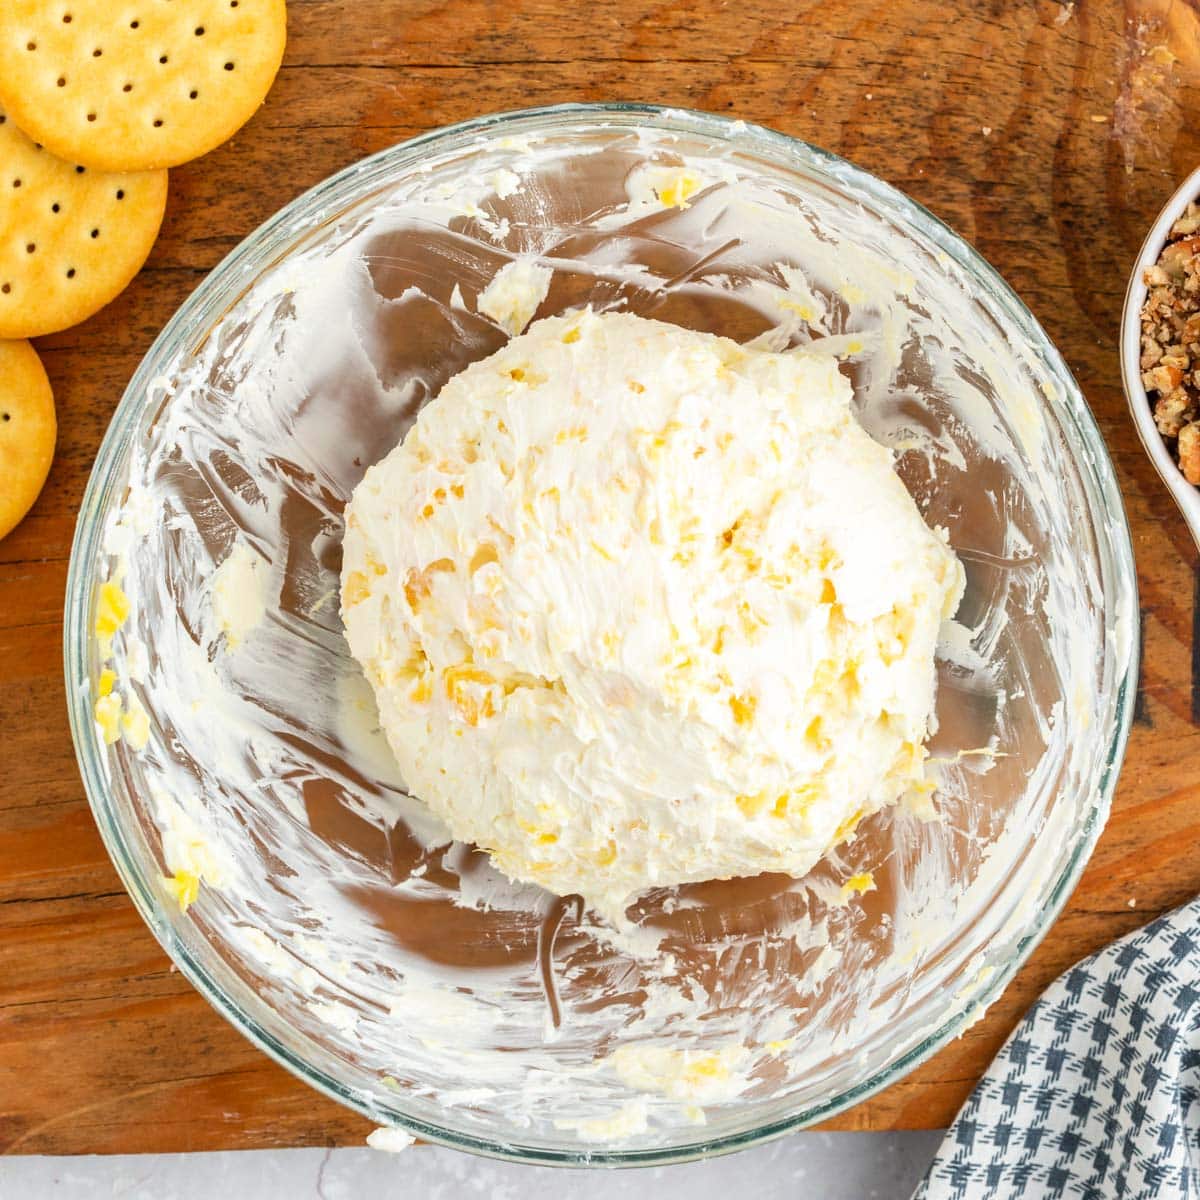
{"type": "Point", "coordinates": [1170, 343]}
{"type": "Point", "coordinates": [1189, 452]}
{"type": "Point", "coordinates": [1172, 412]}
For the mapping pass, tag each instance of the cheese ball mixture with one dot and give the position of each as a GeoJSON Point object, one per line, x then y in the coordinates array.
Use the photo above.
{"type": "Point", "coordinates": [642, 606]}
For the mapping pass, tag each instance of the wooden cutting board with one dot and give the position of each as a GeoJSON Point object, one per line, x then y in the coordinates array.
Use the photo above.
{"type": "Point", "coordinates": [1047, 134]}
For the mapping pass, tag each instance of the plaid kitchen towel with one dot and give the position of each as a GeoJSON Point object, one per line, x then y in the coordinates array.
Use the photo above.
{"type": "Point", "coordinates": [1096, 1096]}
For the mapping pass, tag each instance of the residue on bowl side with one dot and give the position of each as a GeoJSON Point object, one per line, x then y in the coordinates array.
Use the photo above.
{"type": "Point", "coordinates": [443, 991]}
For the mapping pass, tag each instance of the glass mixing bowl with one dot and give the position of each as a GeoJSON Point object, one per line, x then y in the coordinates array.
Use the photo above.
{"type": "Point", "coordinates": [332, 923]}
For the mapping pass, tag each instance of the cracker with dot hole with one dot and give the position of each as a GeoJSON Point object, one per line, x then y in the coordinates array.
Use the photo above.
{"type": "Point", "coordinates": [152, 86]}
{"type": "Point", "coordinates": [27, 430]}
{"type": "Point", "coordinates": [76, 236]}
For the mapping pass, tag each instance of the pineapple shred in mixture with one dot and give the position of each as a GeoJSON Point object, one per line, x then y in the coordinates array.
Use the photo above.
{"type": "Point", "coordinates": [641, 606]}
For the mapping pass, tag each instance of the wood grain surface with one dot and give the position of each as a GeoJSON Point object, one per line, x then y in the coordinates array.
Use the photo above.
{"type": "Point", "coordinates": [1047, 134]}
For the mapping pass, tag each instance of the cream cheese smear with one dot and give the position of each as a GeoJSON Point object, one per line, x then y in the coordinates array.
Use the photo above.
{"type": "Point", "coordinates": [642, 606]}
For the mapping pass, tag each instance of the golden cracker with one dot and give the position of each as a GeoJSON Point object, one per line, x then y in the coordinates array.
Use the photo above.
{"type": "Point", "coordinates": [70, 238]}
{"type": "Point", "coordinates": [138, 84]}
{"type": "Point", "coordinates": [27, 430]}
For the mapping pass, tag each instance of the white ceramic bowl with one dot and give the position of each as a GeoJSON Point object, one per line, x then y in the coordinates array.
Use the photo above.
{"type": "Point", "coordinates": [1186, 495]}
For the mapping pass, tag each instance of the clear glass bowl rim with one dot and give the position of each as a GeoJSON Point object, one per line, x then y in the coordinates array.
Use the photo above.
{"type": "Point", "coordinates": [224, 286]}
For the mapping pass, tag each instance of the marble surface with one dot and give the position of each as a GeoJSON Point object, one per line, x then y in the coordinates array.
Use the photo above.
{"type": "Point", "coordinates": [832, 1166]}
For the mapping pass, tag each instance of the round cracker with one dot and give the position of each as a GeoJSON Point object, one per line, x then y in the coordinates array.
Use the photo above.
{"type": "Point", "coordinates": [70, 238]}
{"type": "Point", "coordinates": [27, 431]}
{"type": "Point", "coordinates": [138, 84]}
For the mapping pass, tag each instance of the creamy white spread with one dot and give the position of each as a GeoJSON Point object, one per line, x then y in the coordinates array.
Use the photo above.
{"type": "Point", "coordinates": [642, 606]}
{"type": "Point", "coordinates": [513, 296]}
{"type": "Point", "coordinates": [327, 370]}
{"type": "Point", "coordinates": [239, 600]}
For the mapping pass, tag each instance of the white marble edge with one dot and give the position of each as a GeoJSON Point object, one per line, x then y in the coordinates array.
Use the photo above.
{"type": "Point", "coordinates": [832, 1166]}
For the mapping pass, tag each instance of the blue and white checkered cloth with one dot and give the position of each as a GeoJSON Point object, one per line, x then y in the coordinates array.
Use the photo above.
{"type": "Point", "coordinates": [1096, 1096]}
